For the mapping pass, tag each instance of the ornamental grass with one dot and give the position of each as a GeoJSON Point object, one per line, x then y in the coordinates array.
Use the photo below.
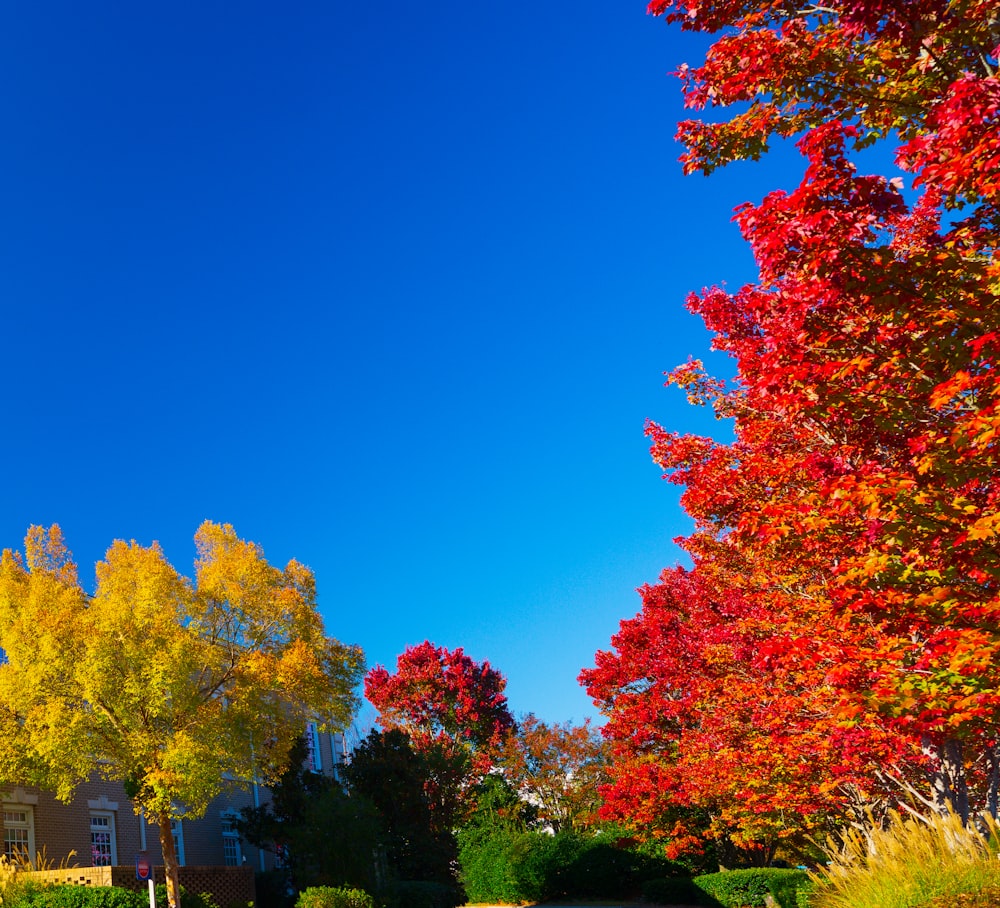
{"type": "Point", "coordinates": [913, 862]}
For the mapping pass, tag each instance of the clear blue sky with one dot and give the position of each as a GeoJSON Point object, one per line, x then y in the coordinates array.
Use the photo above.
{"type": "Point", "coordinates": [389, 287]}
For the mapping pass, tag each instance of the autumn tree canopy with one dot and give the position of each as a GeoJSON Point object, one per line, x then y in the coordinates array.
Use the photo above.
{"type": "Point", "coordinates": [558, 768]}
{"type": "Point", "coordinates": [845, 579]}
{"type": "Point", "coordinates": [169, 685]}
{"type": "Point", "coordinates": [454, 711]}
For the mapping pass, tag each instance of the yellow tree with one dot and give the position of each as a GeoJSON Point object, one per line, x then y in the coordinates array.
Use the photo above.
{"type": "Point", "coordinates": [175, 687]}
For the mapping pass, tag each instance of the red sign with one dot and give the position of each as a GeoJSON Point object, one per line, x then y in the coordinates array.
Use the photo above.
{"type": "Point", "coordinates": [143, 867]}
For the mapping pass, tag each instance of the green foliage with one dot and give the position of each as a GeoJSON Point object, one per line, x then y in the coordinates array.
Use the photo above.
{"type": "Point", "coordinates": [909, 863]}
{"type": "Point", "coordinates": [33, 895]}
{"type": "Point", "coordinates": [188, 899]}
{"type": "Point", "coordinates": [15, 887]}
{"type": "Point", "coordinates": [333, 897]}
{"type": "Point", "coordinates": [675, 891]}
{"type": "Point", "coordinates": [328, 838]}
{"type": "Point", "coordinates": [507, 864]}
{"type": "Point", "coordinates": [786, 884]}
{"type": "Point", "coordinates": [751, 888]}
{"type": "Point", "coordinates": [387, 771]}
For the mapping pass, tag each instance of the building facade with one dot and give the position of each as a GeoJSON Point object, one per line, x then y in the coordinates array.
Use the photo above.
{"type": "Point", "coordinates": [100, 827]}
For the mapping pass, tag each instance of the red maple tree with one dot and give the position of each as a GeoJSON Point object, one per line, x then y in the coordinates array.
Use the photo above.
{"type": "Point", "coordinates": [854, 517]}
{"type": "Point", "coordinates": [454, 711]}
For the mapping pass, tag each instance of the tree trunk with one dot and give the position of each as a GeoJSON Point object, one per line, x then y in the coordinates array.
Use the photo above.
{"type": "Point", "coordinates": [948, 782]}
{"type": "Point", "coordinates": [993, 789]}
{"type": "Point", "coordinates": [170, 868]}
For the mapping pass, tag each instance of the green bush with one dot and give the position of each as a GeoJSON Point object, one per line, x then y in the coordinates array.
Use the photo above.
{"type": "Point", "coordinates": [786, 886]}
{"type": "Point", "coordinates": [188, 899]}
{"type": "Point", "coordinates": [81, 897]}
{"type": "Point", "coordinates": [675, 891]}
{"type": "Point", "coordinates": [77, 897]}
{"type": "Point", "coordinates": [750, 888]}
{"type": "Point", "coordinates": [34, 895]}
{"type": "Point", "coordinates": [509, 866]}
{"type": "Point", "coordinates": [334, 897]}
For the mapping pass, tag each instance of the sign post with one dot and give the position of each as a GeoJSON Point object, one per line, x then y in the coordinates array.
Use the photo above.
{"type": "Point", "coordinates": [144, 871]}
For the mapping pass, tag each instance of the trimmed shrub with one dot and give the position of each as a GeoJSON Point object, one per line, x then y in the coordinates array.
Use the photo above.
{"type": "Point", "coordinates": [188, 899]}
{"type": "Point", "coordinates": [333, 897]}
{"type": "Point", "coordinates": [750, 888]}
{"type": "Point", "coordinates": [77, 897]}
{"type": "Point", "coordinates": [786, 886]}
{"type": "Point", "coordinates": [511, 867]}
{"type": "Point", "coordinates": [675, 891]}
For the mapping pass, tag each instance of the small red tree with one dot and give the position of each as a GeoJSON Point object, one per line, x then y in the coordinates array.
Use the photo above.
{"type": "Point", "coordinates": [452, 708]}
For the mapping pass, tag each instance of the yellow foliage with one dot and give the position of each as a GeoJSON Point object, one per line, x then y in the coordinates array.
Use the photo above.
{"type": "Point", "coordinates": [169, 684]}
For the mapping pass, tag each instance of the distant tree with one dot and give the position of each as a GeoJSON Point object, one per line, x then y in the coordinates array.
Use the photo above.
{"type": "Point", "coordinates": [389, 773]}
{"type": "Point", "coordinates": [169, 685]}
{"type": "Point", "coordinates": [559, 768]}
{"type": "Point", "coordinates": [325, 837]}
{"type": "Point", "coordinates": [454, 712]}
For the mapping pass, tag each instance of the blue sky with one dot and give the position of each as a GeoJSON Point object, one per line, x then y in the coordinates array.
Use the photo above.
{"type": "Point", "coordinates": [389, 287]}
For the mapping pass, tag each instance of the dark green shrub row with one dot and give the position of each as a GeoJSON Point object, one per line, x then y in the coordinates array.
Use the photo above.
{"type": "Point", "coordinates": [731, 888]}
{"type": "Point", "coordinates": [34, 896]}
{"type": "Point", "coordinates": [506, 865]}
{"type": "Point", "coordinates": [400, 894]}
{"type": "Point", "coordinates": [674, 891]}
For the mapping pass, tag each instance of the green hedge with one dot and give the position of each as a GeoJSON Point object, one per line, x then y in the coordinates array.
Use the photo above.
{"type": "Point", "coordinates": [33, 896]}
{"type": "Point", "coordinates": [675, 891]}
{"type": "Point", "coordinates": [334, 897]}
{"type": "Point", "coordinates": [515, 867]}
{"type": "Point", "coordinates": [750, 888]}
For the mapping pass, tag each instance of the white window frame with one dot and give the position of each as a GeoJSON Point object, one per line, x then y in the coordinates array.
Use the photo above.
{"type": "Point", "coordinates": [99, 829]}
{"type": "Point", "coordinates": [177, 831]}
{"type": "Point", "coordinates": [21, 818]}
{"type": "Point", "coordinates": [231, 839]}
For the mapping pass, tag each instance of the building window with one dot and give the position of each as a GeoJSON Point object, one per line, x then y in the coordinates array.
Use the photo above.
{"type": "Point", "coordinates": [18, 833]}
{"type": "Point", "coordinates": [103, 852]}
{"type": "Point", "coordinates": [314, 760]}
{"type": "Point", "coordinates": [231, 842]}
{"type": "Point", "coordinates": [177, 830]}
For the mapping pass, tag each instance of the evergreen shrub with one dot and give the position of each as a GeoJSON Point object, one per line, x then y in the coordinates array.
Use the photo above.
{"type": "Point", "coordinates": [676, 890]}
{"type": "Point", "coordinates": [76, 897]}
{"type": "Point", "coordinates": [750, 888]}
{"type": "Point", "coordinates": [334, 897]}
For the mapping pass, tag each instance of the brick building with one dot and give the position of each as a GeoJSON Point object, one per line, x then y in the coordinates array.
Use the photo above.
{"type": "Point", "coordinates": [100, 828]}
